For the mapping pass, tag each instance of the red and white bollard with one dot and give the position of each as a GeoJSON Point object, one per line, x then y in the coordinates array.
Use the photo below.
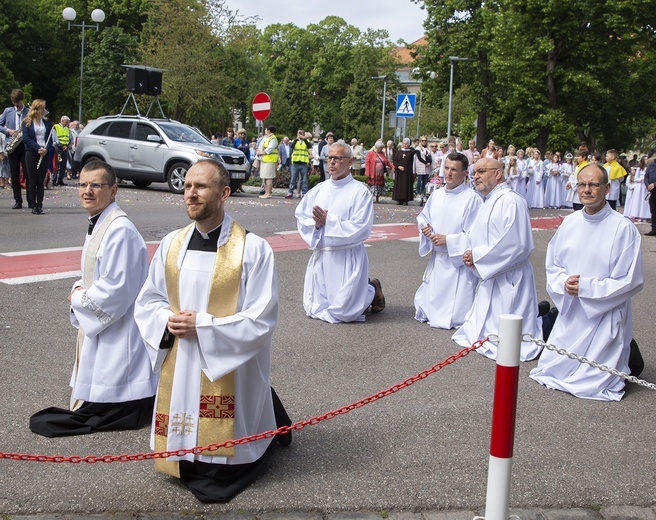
{"type": "Point", "coordinates": [503, 417]}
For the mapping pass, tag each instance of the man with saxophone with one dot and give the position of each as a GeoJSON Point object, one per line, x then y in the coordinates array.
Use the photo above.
{"type": "Point", "coordinates": [10, 123]}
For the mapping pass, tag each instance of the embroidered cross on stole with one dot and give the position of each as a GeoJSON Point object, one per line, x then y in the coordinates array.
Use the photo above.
{"type": "Point", "coordinates": [216, 421]}
{"type": "Point", "coordinates": [89, 265]}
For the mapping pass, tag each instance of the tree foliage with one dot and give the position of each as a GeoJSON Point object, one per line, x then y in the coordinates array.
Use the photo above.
{"type": "Point", "coordinates": [214, 60]}
{"type": "Point", "coordinates": [178, 38]}
{"type": "Point", "coordinates": [549, 73]}
{"type": "Point", "coordinates": [543, 72]}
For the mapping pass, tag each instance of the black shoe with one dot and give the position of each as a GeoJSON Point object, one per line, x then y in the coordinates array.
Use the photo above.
{"type": "Point", "coordinates": [17, 205]}
{"type": "Point", "coordinates": [543, 308]}
{"type": "Point", "coordinates": [651, 233]}
{"type": "Point", "coordinates": [284, 439]}
{"type": "Point", "coordinates": [378, 303]}
{"type": "Point", "coordinates": [61, 183]}
{"type": "Point", "coordinates": [37, 211]}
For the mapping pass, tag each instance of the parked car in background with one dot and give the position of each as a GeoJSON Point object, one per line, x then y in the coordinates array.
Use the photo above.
{"type": "Point", "coordinates": [145, 150]}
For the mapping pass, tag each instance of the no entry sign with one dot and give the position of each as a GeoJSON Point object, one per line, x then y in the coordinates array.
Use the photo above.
{"type": "Point", "coordinates": [261, 106]}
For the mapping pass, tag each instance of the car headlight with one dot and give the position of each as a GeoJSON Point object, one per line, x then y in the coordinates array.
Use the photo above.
{"type": "Point", "coordinates": [208, 155]}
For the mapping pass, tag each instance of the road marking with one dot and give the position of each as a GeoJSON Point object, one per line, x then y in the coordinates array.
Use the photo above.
{"type": "Point", "coordinates": [43, 265]}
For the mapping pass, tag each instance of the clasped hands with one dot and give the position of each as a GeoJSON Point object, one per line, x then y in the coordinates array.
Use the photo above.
{"type": "Point", "coordinates": [183, 325]}
{"type": "Point", "coordinates": [435, 238]}
{"type": "Point", "coordinates": [319, 216]}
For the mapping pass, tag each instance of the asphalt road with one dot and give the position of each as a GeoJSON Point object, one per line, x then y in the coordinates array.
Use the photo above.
{"type": "Point", "coordinates": [423, 448]}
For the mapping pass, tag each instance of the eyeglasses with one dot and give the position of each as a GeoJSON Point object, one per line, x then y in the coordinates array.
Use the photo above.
{"type": "Point", "coordinates": [92, 185]}
{"type": "Point", "coordinates": [336, 157]}
{"type": "Point", "coordinates": [424, 141]}
{"type": "Point", "coordinates": [591, 185]}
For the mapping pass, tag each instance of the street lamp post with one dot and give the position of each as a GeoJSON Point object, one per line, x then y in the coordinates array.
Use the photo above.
{"type": "Point", "coordinates": [452, 59]}
{"type": "Point", "coordinates": [98, 16]}
{"type": "Point", "coordinates": [382, 119]}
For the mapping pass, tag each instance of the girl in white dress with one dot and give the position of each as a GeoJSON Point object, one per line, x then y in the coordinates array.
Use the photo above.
{"type": "Point", "coordinates": [567, 171]}
{"type": "Point", "coordinates": [512, 174]}
{"type": "Point", "coordinates": [534, 191]}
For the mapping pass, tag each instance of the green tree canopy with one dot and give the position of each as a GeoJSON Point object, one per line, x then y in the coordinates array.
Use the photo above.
{"type": "Point", "coordinates": [548, 73]}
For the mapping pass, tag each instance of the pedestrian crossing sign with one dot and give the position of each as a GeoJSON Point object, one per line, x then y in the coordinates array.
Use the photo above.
{"type": "Point", "coordinates": [405, 105]}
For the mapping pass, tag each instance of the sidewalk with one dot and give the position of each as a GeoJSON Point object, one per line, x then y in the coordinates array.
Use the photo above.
{"type": "Point", "coordinates": [605, 513]}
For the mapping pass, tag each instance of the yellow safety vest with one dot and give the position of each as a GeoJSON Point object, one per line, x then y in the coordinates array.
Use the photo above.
{"type": "Point", "coordinates": [63, 134]}
{"type": "Point", "coordinates": [273, 156]}
{"type": "Point", "coordinates": [301, 153]}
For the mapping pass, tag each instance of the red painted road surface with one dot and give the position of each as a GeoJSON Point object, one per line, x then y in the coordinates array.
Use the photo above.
{"type": "Point", "coordinates": [30, 266]}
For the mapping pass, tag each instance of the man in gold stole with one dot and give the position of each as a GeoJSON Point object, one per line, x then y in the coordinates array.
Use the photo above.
{"type": "Point", "coordinates": [207, 313]}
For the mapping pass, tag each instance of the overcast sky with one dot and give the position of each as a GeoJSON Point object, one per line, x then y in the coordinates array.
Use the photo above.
{"type": "Point", "coordinates": [402, 18]}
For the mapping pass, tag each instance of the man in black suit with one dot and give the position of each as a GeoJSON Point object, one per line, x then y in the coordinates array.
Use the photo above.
{"type": "Point", "coordinates": [10, 122]}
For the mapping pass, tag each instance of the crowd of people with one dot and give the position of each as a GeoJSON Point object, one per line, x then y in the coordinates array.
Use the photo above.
{"type": "Point", "coordinates": [416, 169]}
{"type": "Point", "coordinates": [184, 344]}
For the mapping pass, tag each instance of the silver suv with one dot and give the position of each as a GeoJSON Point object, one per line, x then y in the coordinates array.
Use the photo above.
{"type": "Point", "coordinates": [145, 150]}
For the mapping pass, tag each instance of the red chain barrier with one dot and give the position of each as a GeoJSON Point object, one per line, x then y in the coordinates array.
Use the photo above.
{"type": "Point", "coordinates": [91, 459]}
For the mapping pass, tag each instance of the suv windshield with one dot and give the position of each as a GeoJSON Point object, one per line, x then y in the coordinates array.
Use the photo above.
{"type": "Point", "coordinates": [182, 134]}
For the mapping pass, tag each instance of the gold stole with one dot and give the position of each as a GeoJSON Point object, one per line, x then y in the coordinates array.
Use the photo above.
{"type": "Point", "coordinates": [90, 257]}
{"type": "Point", "coordinates": [216, 421]}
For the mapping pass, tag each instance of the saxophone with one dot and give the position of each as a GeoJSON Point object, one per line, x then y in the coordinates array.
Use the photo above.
{"type": "Point", "coordinates": [14, 141]}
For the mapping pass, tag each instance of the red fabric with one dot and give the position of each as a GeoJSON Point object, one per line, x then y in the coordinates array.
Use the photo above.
{"type": "Point", "coordinates": [374, 157]}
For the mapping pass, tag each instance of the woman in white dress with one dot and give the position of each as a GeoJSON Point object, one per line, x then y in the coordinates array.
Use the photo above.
{"type": "Point", "coordinates": [534, 191]}
{"type": "Point", "coordinates": [636, 205]}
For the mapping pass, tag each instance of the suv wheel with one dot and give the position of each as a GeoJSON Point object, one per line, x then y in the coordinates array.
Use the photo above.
{"type": "Point", "coordinates": [176, 177]}
{"type": "Point", "coordinates": [141, 184]}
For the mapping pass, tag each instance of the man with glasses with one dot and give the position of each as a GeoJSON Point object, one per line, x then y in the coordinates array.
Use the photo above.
{"type": "Point", "coordinates": [335, 218]}
{"type": "Point", "coordinates": [497, 248]}
{"type": "Point", "coordinates": [113, 382]}
{"type": "Point", "coordinates": [592, 289]}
